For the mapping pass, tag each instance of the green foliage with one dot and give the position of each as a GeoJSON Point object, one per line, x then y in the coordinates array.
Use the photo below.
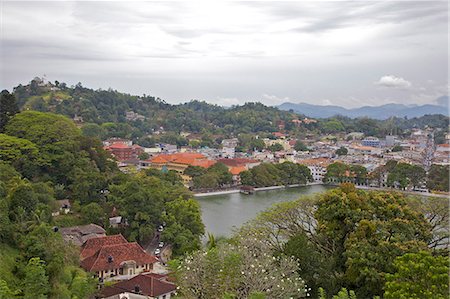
{"type": "Point", "coordinates": [36, 285]}
{"type": "Point", "coordinates": [183, 225]}
{"type": "Point", "coordinates": [215, 176]}
{"type": "Point", "coordinates": [397, 148]}
{"type": "Point", "coordinates": [93, 213]}
{"type": "Point", "coordinates": [300, 146]}
{"type": "Point", "coordinates": [43, 129]}
{"type": "Point", "coordinates": [332, 126]}
{"type": "Point", "coordinates": [275, 147]}
{"type": "Point", "coordinates": [405, 175]}
{"type": "Point", "coordinates": [286, 173]}
{"type": "Point", "coordinates": [194, 171]}
{"type": "Point", "coordinates": [342, 151]}
{"type": "Point", "coordinates": [438, 178]}
{"type": "Point", "coordinates": [369, 230]}
{"type": "Point", "coordinates": [8, 108]}
{"type": "Point", "coordinates": [418, 276]}
{"type": "Point", "coordinates": [336, 171]}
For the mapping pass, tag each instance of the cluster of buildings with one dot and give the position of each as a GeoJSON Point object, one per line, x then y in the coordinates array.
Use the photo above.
{"type": "Point", "coordinates": [111, 258]}
{"type": "Point", "coordinates": [368, 151]}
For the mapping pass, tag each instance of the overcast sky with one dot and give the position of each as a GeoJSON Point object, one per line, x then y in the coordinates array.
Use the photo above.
{"type": "Point", "coordinates": [341, 53]}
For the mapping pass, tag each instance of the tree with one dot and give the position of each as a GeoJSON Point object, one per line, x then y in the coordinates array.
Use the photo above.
{"type": "Point", "coordinates": [194, 171]}
{"type": "Point", "coordinates": [8, 108]}
{"type": "Point", "coordinates": [209, 180]}
{"type": "Point", "coordinates": [223, 174]}
{"type": "Point", "coordinates": [36, 285]}
{"type": "Point", "coordinates": [438, 178]}
{"type": "Point", "coordinates": [21, 153]}
{"type": "Point", "coordinates": [242, 269]}
{"type": "Point", "coordinates": [336, 171]}
{"type": "Point", "coordinates": [276, 147]}
{"type": "Point", "coordinates": [332, 126]}
{"type": "Point", "coordinates": [397, 148]}
{"type": "Point", "coordinates": [360, 173]}
{"type": "Point", "coordinates": [93, 130]}
{"type": "Point", "coordinates": [300, 146]}
{"type": "Point", "coordinates": [183, 225]}
{"type": "Point", "coordinates": [418, 276]}
{"type": "Point", "coordinates": [93, 213]}
{"type": "Point", "coordinates": [368, 230]}
{"type": "Point", "coordinates": [342, 151]}
{"type": "Point", "coordinates": [143, 156]}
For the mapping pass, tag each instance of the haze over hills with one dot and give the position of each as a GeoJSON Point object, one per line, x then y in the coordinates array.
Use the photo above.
{"type": "Point", "coordinates": [377, 112]}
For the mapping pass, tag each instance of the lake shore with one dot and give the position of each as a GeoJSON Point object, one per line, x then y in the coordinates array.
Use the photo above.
{"type": "Point", "coordinates": [256, 189]}
{"type": "Point", "coordinates": [213, 193]}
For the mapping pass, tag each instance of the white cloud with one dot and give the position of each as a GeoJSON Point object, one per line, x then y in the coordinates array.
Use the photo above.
{"type": "Point", "coordinates": [393, 82]}
{"type": "Point", "coordinates": [273, 99]}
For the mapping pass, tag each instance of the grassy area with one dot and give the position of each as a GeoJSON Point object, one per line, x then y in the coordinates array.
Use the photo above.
{"type": "Point", "coordinates": [7, 261]}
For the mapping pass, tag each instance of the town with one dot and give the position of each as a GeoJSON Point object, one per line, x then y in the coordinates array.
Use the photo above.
{"type": "Point", "coordinates": [315, 152]}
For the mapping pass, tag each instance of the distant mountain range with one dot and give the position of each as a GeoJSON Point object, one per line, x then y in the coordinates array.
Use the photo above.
{"type": "Point", "coordinates": [378, 112]}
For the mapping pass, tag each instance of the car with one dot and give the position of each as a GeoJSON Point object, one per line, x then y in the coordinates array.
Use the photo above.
{"type": "Point", "coordinates": [157, 251]}
{"type": "Point", "coordinates": [160, 228]}
{"type": "Point", "coordinates": [161, 244]}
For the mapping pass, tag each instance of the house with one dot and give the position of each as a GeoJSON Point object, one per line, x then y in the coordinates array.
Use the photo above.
{"type": "Point", "coordinates": [113, 258]}
{"type": "Point", "coordinates": [118, 221]}
{"type": "Point", "coordinates": [78, 235]}
{"type": "Point", "coordinates": [63, 207]}
{"type": "Point", "coordinates": [142, 286]}
{"type": "Point", "coordinates": [317, 166]}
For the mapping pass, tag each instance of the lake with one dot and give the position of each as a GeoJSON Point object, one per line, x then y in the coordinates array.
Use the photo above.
{"type": "Point", "coordinates": [221, 213]}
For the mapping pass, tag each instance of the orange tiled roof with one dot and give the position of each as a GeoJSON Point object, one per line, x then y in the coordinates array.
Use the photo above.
{"type": "Point", "coordinates": [237, 170]}
{"type": "Point", "coordinates": [194, 159]}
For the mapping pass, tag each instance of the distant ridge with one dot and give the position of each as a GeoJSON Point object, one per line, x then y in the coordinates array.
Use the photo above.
{"type": "Point", "coordinates": [377, 112]}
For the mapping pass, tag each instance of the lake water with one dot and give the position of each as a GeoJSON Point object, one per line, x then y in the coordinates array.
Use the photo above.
{"type": "Point", "coordinates": [221, 213]}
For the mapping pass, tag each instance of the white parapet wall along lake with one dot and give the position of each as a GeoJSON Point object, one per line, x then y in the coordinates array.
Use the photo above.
{"type": "Point", "coordinates": [223, 212]}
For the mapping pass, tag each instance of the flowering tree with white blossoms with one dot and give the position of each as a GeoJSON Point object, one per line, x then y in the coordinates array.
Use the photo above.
{"type": "Point", "coordinates": [239, 270]}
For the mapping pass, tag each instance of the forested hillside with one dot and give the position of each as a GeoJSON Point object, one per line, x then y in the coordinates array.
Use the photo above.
{"type": "Point", "coordinates": [104, 114]}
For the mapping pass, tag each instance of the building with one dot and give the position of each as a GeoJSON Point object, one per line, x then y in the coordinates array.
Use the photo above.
{"type": "Point", "coordinates": [228, 152]}
{"type": "Point", "coordinates": [78, 235]}
{"type": "Point", "coordinates": [113, 258]}
{"type": "Point", "coordinates": [142, 286]}
{"type": "Point", "coordinates": [133, 116]}
{"type": "Point", "coordinates": [371, 141]}
{"type": "Point", "coordinates": [123, 151]}
{"type": "Point", "coordinates": [317, 166]}
{"type": "Point", "coordinates": [391, 140]}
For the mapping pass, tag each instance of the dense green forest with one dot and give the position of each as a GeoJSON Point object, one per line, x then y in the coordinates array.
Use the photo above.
{"type": "Point", "coordinates": [104, 115]}
{"type": "Point", "coordinates": [44, 158]}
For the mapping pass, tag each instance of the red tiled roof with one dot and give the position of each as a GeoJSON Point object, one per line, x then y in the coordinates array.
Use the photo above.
{"type": "Point", "coordinates": [93, 245]}
{"type": "Point", "coordinates": [150, 284]}
{"type": "Point", "coordinates": [235, 162]}
{"type": "Point", "coordinates": [117, 145]}
{"type": "Point", "coordinates": [119, 253]}
{"type": "Point", "coordinates": [203, 163]}
{"type": "Point", "coordinates": [237, 170]}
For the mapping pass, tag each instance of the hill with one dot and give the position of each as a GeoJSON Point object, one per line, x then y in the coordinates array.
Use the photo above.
{"type": "Point", "coordinates": [377, 112]}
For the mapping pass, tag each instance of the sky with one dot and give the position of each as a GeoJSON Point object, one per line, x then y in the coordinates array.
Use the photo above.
{"type": "Point", "coordinates": [347, 53]}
